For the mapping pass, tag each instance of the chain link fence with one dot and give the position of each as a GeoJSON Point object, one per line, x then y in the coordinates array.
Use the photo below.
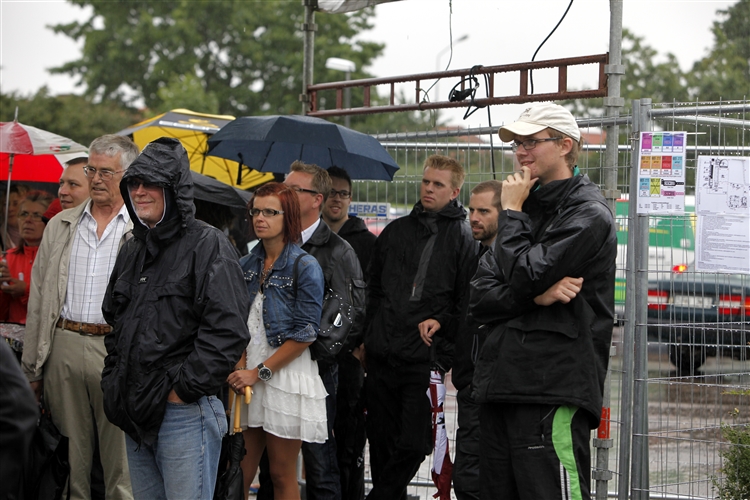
{"type": "Point", "coordinates": [674, 380]}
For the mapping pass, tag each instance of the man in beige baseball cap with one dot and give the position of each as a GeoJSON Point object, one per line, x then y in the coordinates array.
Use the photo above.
{"type": "Point", "coordinates": [546, 139]}
{"type": "Point", "coordinates": [539, 377]}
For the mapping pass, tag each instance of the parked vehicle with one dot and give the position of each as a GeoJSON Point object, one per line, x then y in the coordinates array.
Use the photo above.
{"type": "Point", "coordinates": [671, 245]}
{"type": "Point", "coordinates": [700, 314]}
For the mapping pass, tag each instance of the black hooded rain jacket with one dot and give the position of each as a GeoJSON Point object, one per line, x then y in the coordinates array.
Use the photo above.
{"type": "Point", "coordinates": [177, 302]}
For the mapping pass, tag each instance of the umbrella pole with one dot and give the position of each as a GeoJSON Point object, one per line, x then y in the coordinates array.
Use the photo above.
{"type": "Point", "coordinates": [7, 199]}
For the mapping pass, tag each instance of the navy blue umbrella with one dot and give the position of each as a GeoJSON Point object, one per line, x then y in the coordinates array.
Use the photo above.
{"type": "Point", "coordinates": [272, 143]}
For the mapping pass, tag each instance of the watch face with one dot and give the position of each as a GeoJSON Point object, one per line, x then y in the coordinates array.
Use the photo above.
{"type": "Point", "coordinates": [264, 373]}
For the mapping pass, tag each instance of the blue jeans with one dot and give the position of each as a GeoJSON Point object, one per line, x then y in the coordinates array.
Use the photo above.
{"type": "Point", "coordinates": [183, 461]}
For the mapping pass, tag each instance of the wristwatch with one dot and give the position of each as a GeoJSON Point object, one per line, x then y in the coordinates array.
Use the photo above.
{"type": "Point", "coordinates": [264, 373]}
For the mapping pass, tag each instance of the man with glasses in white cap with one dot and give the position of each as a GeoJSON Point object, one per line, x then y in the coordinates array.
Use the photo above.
{"type": "Point", "coordinates": [547, 293]}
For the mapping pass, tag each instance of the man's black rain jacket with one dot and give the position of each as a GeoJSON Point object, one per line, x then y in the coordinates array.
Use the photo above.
{"type": "Point", "coordinates": [177, 302]}
{"type": "Point", "coordinates": [420, 269]}
{"type": "Point", "coordinates": [556, 354]}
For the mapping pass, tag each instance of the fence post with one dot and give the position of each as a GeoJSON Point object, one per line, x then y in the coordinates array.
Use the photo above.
{"type": "Point", "coordinates": [639, 238]}
{"type": "Point", "coordinates": [613, 102]}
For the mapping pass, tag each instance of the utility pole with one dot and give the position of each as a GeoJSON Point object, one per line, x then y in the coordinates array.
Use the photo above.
{"type": "Point", "coordinates": [309, 28]}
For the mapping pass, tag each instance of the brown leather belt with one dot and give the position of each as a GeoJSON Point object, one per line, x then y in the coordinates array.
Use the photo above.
{"type": "Point", "coordinates": [83, 328]}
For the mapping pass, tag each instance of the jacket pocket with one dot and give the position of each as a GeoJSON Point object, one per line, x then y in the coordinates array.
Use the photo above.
{"type": "Point", "coordinates": [122, 294]}
{"type": "Point", "coordinates": [166, 322]}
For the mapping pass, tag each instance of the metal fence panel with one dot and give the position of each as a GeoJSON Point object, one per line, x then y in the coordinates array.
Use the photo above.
{"type": "Point", "coordinates": [672, 417]}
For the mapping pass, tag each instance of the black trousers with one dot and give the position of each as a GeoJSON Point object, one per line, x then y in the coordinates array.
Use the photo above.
{"type": "Point", "coordinates": [399, 425]}
{"type": "Point", "coordinates": [466, 468]}
{"type": "Point", "coordinates": [349, 428]}
{"type": "Point", "coordinates": [533, 451]}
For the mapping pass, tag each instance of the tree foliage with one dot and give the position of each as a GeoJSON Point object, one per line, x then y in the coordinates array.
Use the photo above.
{"type": "Point", "coordinates": [246, 54]}
{"type": "Point", "coordinates": [73, 116]}
{"type": "Point", "coordinates": [725, 72]}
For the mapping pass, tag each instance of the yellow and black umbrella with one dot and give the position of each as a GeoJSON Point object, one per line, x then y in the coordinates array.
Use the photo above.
{"type": "Point", "coordinates": [193, 130]}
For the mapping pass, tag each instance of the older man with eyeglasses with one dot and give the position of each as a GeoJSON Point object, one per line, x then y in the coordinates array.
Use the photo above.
{"type": "Point", "coordinates": [64, 348]}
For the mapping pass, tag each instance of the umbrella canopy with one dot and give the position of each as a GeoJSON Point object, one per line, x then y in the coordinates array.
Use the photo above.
{"type": "Point", "coordinates": [442, 467]}
{"type": "Point", "coordinates": [193, 129]}
{"type": "Point", "coordinates": [34, 155]}
{"type": "Point", "coordinates": [272, 143]}
{"type": "Point", "coordinates": [24, 141]}
{"type": "Point", "coordinates": [208, 189]}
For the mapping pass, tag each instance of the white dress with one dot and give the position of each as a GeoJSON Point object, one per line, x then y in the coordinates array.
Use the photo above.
{"type": "Point", "coordinates": [292, 404]}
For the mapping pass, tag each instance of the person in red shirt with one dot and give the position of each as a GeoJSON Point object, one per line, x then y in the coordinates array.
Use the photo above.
{"type": "Point", "coordinates": [15, 267]}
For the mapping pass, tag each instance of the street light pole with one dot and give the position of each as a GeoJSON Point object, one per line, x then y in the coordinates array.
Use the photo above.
{"type": "Point", "coordinates": [309, 28]}
{"type": "Point", "coordinates": [347, 66]}
{"type": "Point", "coordinates": [437, 61]}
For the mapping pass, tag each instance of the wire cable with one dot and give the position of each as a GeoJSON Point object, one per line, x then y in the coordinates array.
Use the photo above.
{"type": "Point", "coordinates": [531, 73]}
{"type": "Point", "coordinates": [471, 91]}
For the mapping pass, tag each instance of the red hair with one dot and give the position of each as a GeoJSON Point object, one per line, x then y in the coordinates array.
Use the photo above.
{"type": "Point", "coordinates": [289, 205]}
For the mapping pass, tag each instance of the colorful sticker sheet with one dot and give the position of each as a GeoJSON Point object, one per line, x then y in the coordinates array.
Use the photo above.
{"type": "Point", "coordinates": [661, 172]}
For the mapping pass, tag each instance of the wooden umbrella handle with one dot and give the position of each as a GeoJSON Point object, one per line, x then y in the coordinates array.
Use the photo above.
{"type": "Point", "coordinates": [248, 394]}
{"type": "Point", "coordinates": [237, 408]}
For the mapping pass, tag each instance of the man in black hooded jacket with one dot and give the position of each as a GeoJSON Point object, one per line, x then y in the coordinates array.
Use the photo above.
{"type": "Point", "coordinates": [548, 288]}
{"type": "Point", "coordinates": [418, 275]}
{"type": "Point", "coordinates": [178, 306]}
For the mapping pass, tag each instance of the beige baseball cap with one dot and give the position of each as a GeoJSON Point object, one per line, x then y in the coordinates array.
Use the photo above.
{"type": "Point", "coordinates": [541, 116]}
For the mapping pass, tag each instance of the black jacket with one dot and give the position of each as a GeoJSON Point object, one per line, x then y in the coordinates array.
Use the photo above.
{"type": "Point", "coordinates": [176, 300]}
{"type": "Point", "coordinates": [556, 354]}
{"type": "Point", "coordinates": [469, 337]}
{"type": "Point", "coordinates": [355, 232]}
{"type": "Point", "coordinates": [420, 270]}
{"type": "Point", "coordinates": [343, 276]}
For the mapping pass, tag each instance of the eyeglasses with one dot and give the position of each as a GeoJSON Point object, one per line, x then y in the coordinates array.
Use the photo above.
{"type": "Point", "coordinates": [105, 174]}
{"type": "Point", "coordinates": [134, 184]}
{"type": "Point", "coordinates": [344, 194]}
{"type": "Point", "coordinates": [530, 144]}
{"type": "Point", "coordinates": [35, 216]}
{"type": "Point", "coordinates": [267, 212]}
{"type": "Point", "coordinates": [303, 190]}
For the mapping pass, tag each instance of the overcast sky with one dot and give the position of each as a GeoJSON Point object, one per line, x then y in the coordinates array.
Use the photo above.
{"type": "Point", "coordinates": [417, 37]}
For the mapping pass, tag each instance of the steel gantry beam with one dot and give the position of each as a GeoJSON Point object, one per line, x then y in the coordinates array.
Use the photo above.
{"type": "Point", "coordinates": [461, 76]}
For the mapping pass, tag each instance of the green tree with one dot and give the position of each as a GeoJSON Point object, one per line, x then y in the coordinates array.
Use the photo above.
{"type": "Point", "coordinates": [186, 91]}
{"type": "Point", "coordinates": [248, 54]}
{"type": "Point", "coordinates": [73, 116]}
{"type": "Point", "coordinates": [725, 72]}
{"type": "Point", "coordinates": [644, 77]}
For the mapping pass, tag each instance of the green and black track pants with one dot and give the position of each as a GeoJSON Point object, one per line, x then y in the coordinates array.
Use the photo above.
{"type": "Point", "coordinates": [534, 451]}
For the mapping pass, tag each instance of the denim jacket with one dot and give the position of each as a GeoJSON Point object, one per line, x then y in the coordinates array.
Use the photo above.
{"type": "Point", "coordinates": [285, 316]}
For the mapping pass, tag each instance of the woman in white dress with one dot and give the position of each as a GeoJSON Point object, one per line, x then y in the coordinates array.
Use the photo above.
{"type": "Point", "coordinates": [286, 286]}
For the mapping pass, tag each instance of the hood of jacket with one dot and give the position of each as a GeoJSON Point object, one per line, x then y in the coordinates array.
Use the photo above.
{"type": "Point", "coordinates": [453, 210]}
{"type": "Point", "coordinates": [353, 225]}
{"type": "Point", "coordinates": [163, 162]}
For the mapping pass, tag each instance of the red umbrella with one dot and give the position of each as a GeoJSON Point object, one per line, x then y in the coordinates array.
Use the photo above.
{"type": "Point", "coordinates": [34, 152]}
{"type": "Point", "coordinates": [442, 467]}
{"type": "Point", "coordinates": [28, 168]}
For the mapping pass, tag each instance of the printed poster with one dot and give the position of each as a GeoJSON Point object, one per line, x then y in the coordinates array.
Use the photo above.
{"type": "Point", "coordinates": [661, 173]}
{"type": "Point", "coordinates": [722, 240]}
